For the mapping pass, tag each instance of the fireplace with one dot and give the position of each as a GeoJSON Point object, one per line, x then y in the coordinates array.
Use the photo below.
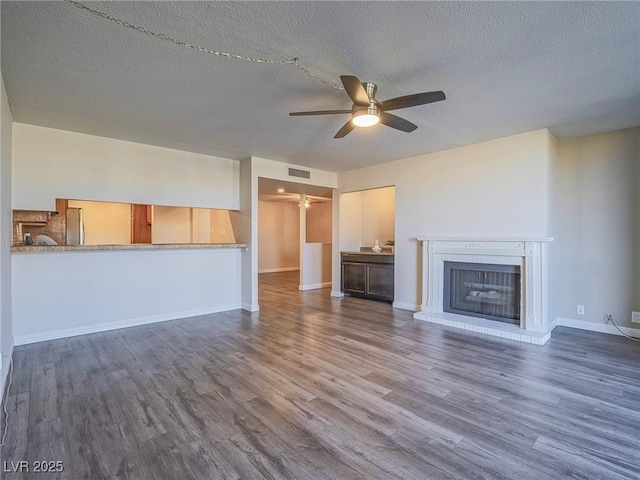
{"type": "Point", "coordinates": [482, 290]}
{"type": "Point", "coordinates": [510, 303]}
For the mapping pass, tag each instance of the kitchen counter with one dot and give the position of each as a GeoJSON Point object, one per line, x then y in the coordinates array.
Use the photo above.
{"type": "Point", "coordinates": [368, 274]}
{"type": "Point", "coordinates": [138, 246]}
{"type": "Point", "coordinates": [366, 253]}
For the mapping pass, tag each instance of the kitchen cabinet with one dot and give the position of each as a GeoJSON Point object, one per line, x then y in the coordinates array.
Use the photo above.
{"type": "Point", "coordinates": [30, 217]}
{"type": "Point", "coordinates": [368, 275]}
{"type": "Point", "coordinates": [32, 222]}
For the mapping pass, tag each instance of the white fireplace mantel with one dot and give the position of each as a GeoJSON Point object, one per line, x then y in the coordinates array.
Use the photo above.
{"type": "Point", "coordinates": [529, 253]}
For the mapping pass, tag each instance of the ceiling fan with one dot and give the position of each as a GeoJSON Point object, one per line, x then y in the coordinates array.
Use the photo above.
{"type": "Point", "coordinates": [367, 111]}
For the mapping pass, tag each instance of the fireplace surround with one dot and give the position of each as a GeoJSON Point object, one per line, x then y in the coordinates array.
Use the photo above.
{"type": "Point", "coordinates": [528, 254]}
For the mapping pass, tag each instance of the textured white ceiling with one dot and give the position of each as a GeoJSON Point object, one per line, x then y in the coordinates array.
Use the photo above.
{"type": "Point", "coordinates": [506, 68]}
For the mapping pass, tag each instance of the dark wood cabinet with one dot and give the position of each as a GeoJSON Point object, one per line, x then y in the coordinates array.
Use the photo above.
{"type": "Point", "coordinates": [354, 277]}
{"type": "Point", "coordinates": [367, 275]}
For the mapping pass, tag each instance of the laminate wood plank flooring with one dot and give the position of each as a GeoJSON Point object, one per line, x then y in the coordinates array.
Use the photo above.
{"type": "Point", "coordinates": [314, 387]}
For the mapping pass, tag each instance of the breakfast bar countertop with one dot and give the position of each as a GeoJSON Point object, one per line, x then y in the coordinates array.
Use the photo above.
{"type": "Point", "coordinates": [136, 246]}
{"type": "Point", "coordinates": [354, 252]}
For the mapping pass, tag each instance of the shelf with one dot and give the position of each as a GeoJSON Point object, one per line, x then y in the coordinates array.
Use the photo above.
{"type": "Point", "coordinates": [131, 247]}
{"type": "Point", "coordinates": [26, 217]}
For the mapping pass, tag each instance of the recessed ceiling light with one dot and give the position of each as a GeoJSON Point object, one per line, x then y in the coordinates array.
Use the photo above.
{"type": "Point", "coordinates": [281, 190]}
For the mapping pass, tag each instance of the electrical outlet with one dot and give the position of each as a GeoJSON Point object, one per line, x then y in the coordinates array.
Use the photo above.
{"type": "Point", "coordinates": [580, 309]}
{"type": "Point", "coordinates": [635, 317]}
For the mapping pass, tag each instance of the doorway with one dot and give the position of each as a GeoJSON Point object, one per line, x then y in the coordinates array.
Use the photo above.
{"type": "Point", "coordinates": [294, 236]}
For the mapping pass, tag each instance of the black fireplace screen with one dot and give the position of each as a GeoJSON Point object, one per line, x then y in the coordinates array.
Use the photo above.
{"type": "Point", "coordinates": [482, 290]}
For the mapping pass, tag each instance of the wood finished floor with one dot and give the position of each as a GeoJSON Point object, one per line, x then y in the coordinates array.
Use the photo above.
{"type": "Point", "coordinates": [313, 387]}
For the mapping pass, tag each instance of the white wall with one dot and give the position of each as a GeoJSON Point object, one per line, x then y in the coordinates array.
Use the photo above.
{"type": "Point", "coordinates": [81, 292]}
{"type": "Point", "coordinates": [367, 216]}
{"type": "Point", "coordinates": [212, 226]}
{"type": "Point", "coordinates": [499, 187]}
{"type": "Point", "coordinates": [50, 164]}
{"type": "Point", "coordinates": [595, 222]}
{"type": "Point", "coordinates": [221, 227]}
{"type": "Point", "coordinates": [113, 289]}
{"type": "Point", "coordinates": [552, 247]}
{"type": "Point", "coordinates": [378, 215]}
{"type": "Point", "coordinates": [6, 325]}
{"type": "Point", "coordinates": [264, 168]}
{"type": "Point", "coordinates": [105, 223]}
{"type": "Point", "coordinates": [246, 223]}
{"type": "Point", "coordinates": [319, 219]}
{"type": "Point", "coordinates": [200, 225]}
{"type": "Point", "coordinates": [317, 248]}
{"type": "Point", "coordinates": [316, 272]}
{"type": "Point", "coordinates": [350, 221]}
{"type": "Point", "coordinates": [278, 236]}
{"type": "Point", "coordinates": [636, 236]}
{"type": "Point", "coordinates": [171, 225]}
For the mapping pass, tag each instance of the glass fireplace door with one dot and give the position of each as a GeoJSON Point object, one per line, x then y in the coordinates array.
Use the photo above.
{"type": "Point", "coordinates": [482, 290]}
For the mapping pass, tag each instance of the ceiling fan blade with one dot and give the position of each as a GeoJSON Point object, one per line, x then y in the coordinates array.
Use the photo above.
{"type": "Point", "coordinates": [355, 90]}
{"type": "Point", "coordinates": [396, 122]}
{"type": "Point", "coordinates": [319, 112]}
{"type": "Point", "coordinates": [344, 131]}
{"type": "Point", "coordinates": [411, 100]}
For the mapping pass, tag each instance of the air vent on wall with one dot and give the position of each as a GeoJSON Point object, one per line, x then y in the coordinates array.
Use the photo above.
{"type": "Point", "coordinates": [296, 172]}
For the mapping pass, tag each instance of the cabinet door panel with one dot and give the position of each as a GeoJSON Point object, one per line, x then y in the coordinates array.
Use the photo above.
{"type": "Point", "coordinates": [353, 277]}
{"type": "Point", "coordinates": [380, 281]}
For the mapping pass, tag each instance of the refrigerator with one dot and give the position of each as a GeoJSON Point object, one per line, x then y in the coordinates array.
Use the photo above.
{"type": "Point", "coordinates": [75, 226]}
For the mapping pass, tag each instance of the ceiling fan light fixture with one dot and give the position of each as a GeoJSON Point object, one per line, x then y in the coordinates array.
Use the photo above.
{"type": "Point", "coordinates": [367, 111]}
{"type": "Point", "coordinates": [367, 117]}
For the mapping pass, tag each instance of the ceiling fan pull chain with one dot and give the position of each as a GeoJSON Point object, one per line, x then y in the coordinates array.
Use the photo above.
{"type": "Point", "coordinates": [162, 36]}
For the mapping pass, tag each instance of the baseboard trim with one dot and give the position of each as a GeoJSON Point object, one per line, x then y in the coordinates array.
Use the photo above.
{"type": "Point", "coordinates": [337, 294]}
{"type": "Point", "coordinates": [5, 367]}
{"type": "Point", "coordinates": [314, 286]}
{"type": "Point", "coordinates": [250, 307]}
{"type": "Point", "coordinates": [132, 322]}
{"type": "Point", "coordinates": [406, 306]}
{"type": "Point", "coordinates": [276, 270]}
{"type": "Point", "coordinates": [596, 327]}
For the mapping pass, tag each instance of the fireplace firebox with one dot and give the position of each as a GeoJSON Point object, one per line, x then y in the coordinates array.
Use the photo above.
{"type": "Point", "coordinates": [482, 290]}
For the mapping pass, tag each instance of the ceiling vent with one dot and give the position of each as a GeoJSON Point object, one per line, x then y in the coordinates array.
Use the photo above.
{"type": "Point", "coordinates": [296, 172]}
